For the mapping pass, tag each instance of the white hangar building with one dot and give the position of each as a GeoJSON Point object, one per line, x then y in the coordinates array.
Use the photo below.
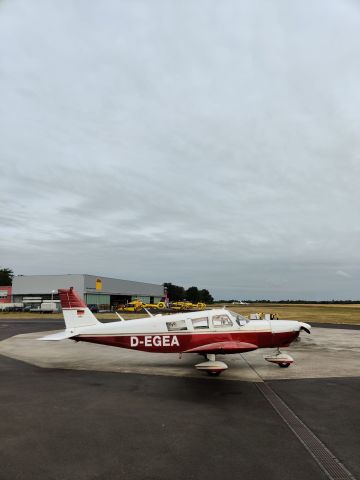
{"type": "Point", "coordinates": [96, 290]}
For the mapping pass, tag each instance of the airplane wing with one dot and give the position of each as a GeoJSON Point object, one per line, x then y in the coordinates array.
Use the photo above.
{"type": "Point", "coordinates": [223, 347]}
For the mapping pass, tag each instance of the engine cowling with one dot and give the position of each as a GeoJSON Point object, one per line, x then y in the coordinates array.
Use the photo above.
{"type": "Point", "coordinates": [305, 326]}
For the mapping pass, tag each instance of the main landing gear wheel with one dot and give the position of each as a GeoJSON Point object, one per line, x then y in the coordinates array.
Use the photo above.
{"type": "Point", "coordinates": [211, 366]}
{"type": "Point", "coordinates": [284, 364]}
{"type": "Point", "coordinates": [214, 374]}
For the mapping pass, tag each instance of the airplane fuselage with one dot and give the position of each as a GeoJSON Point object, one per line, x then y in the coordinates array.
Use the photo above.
{"type": "Point", "coordinates": [152, 334]}
{"type": "Point", "coordinates": [210, 332]}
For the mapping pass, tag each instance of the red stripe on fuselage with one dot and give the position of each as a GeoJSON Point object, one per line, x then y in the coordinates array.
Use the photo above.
{"type": "Point", "coordinates": [179, 342]}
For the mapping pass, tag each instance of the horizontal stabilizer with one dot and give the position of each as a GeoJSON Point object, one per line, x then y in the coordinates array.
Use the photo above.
{"type": "Point", "coordinates": [224, 347]}
{"type": "Point", "coordinates": [58, 336]}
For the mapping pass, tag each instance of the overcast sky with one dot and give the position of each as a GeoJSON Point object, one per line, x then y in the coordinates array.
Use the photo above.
{"type": "Point", "coordinates": [204, 143]}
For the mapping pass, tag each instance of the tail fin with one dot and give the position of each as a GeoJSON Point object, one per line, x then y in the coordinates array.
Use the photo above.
{"type": "Point", "coordinates": [75, 311]}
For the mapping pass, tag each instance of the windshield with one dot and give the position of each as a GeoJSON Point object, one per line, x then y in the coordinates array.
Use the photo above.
{"type": "Point", "coordinates": [239, 319]}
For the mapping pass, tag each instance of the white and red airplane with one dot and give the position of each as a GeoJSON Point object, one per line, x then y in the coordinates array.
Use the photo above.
{"type": "Point", "coordinates": [207, 332]}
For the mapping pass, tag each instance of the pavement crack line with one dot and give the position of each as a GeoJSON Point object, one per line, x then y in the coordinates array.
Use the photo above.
{"type": "Point", "coordinates": [326, 460]}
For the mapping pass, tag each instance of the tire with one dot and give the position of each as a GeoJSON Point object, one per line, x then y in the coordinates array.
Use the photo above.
{"type": "Point", "coordinates": [213, 374]}
{"type": "Point", "coordinates": [284, 364]}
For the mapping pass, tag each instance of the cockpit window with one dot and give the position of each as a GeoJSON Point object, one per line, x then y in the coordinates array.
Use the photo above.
{"type": "Point", "coordinates": [176, 326]}
{"type": "Point", "coordinates": [200, 323]}
{"type": "Point", "coordinates": [239, 319]}
{"type": "Point", "coordinates": [222, 321]}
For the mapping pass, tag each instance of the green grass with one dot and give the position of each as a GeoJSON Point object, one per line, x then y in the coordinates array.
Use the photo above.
{"type": "Point", "coordinates": [314, 313]}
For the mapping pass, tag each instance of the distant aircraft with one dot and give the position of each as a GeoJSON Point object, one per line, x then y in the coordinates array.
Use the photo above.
{"type": "Point", "coordinates": [208, 333]}
{"type": "Point", "coordinates": [240, 302]}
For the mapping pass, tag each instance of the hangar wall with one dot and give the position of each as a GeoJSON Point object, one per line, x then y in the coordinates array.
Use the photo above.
{"type": "Point", "coordinates": [94, 289]}
{"type": "Point", "coordinates": [32, 285]}
{"type": "Point", "coordinates": [126, 287]}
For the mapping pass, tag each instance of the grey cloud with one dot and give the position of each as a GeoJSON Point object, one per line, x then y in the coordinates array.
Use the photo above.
{"type": "Point", "coordinates": [341, 273]}
{"type": "Point", "coordinates": [201, 143]}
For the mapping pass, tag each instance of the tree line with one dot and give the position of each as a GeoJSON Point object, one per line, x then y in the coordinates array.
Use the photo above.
{"type": "Point", "coordinates": [6, 276]}
{"type": "Point", "coordinates": [177, 293]}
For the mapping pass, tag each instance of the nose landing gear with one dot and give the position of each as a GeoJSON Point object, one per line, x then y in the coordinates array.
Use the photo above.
{"type": "Point", "coordinates": [282, 359]}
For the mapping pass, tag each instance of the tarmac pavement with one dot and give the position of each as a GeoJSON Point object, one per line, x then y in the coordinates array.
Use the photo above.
{"type": "Point", "coordinates": [325, 353]}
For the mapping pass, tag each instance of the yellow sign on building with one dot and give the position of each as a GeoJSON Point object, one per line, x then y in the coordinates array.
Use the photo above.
{"type": "Point", "coordinates": [98, 284]}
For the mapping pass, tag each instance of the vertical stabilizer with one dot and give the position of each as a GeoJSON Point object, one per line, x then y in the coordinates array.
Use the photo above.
{"type": "Point", "coordinates": [75, 311]}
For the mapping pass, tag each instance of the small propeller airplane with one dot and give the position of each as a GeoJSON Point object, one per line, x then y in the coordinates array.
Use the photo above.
{"type": "Point", "coordinates": [206, 332]}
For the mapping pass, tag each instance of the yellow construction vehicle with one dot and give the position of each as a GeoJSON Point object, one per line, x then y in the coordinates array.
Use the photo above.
{"type": "Point", "coordinates": [188, 306]}
{"type": "Point", "coordinates": [132, 307]}
{"type": "Point", "coordinates": [154, 306]}
{"type": "Point", "coordinates": [137, 306]}
{"type": "Point", "coordinates": [181, 306]}
{"type": "Point", "coordinates": [200, 306]}
{"type": "Point", "coordinates": [160, 306]}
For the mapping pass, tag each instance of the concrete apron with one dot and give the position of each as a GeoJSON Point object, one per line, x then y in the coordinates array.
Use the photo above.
{"type": "Point", "coordinates": [325, 353]}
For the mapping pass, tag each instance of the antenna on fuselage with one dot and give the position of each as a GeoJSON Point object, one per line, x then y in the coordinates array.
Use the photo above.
{"type": "Point", "coordinates": [121, 318]}
{"type": "Point", "coordinates": [148, 312]}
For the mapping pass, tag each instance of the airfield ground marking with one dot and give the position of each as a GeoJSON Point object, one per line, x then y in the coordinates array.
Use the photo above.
{"type": "Point", "coordinates": [326, 460]}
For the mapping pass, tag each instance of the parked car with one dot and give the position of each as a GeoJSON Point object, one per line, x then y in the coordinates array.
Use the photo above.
{"type": "Point", "coordinates": [93, 308]}
{"type": "Point", "coordinates": [11, 307]}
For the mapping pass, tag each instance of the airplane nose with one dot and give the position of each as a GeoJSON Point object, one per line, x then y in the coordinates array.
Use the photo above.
{"type": "Point", "coordinates": [305, 326]}
{"type": "Point", "coordinates": [283, 326]}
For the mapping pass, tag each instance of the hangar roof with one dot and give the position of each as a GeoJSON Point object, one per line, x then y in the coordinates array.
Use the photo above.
{"type": "Point", "coordinates": [83, 283]}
